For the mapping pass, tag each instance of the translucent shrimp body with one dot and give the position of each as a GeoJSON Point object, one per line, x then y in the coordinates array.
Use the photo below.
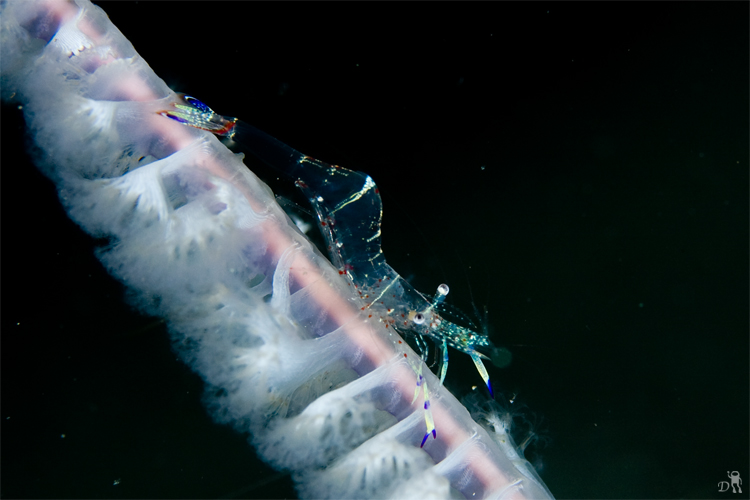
{"type": "Point", "coordinates": [349, 214]}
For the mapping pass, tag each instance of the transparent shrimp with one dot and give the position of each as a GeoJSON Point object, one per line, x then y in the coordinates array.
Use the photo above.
{"type": "Point", "coordinates": [349, 212]}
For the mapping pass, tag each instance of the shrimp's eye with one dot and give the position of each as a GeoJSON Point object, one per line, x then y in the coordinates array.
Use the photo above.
{"type": "Point", "coordinates": [418, 319]}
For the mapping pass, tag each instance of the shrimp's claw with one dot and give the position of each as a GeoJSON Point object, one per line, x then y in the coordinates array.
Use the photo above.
{"type": "Point", "coordinates": [476, 357]}
{"type": "Point", "coordinates": [424, 440]}
{"type": "Point", "coordinates": [429, 422]}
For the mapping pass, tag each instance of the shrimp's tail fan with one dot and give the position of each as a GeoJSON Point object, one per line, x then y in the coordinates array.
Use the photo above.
{"type": "Point", "coordinates": [194, 113]}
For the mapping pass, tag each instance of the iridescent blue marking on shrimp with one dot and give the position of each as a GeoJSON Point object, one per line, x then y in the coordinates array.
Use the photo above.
{"type": "Point", "coordinates": [349, 212]}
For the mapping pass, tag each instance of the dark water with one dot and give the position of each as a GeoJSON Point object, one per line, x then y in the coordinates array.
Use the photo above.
{"type": "Point", "coordinates": [581, 170]}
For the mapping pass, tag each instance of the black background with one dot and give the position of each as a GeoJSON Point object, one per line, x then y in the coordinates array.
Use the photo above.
{"type": "Point", "coordinates": [579, 169]}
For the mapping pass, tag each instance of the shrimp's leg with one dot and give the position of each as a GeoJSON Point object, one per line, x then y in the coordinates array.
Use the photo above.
{"type": "Point", "coordinates": [420, 381]}
{"type": "Point", "coordinates": [444, 364]}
